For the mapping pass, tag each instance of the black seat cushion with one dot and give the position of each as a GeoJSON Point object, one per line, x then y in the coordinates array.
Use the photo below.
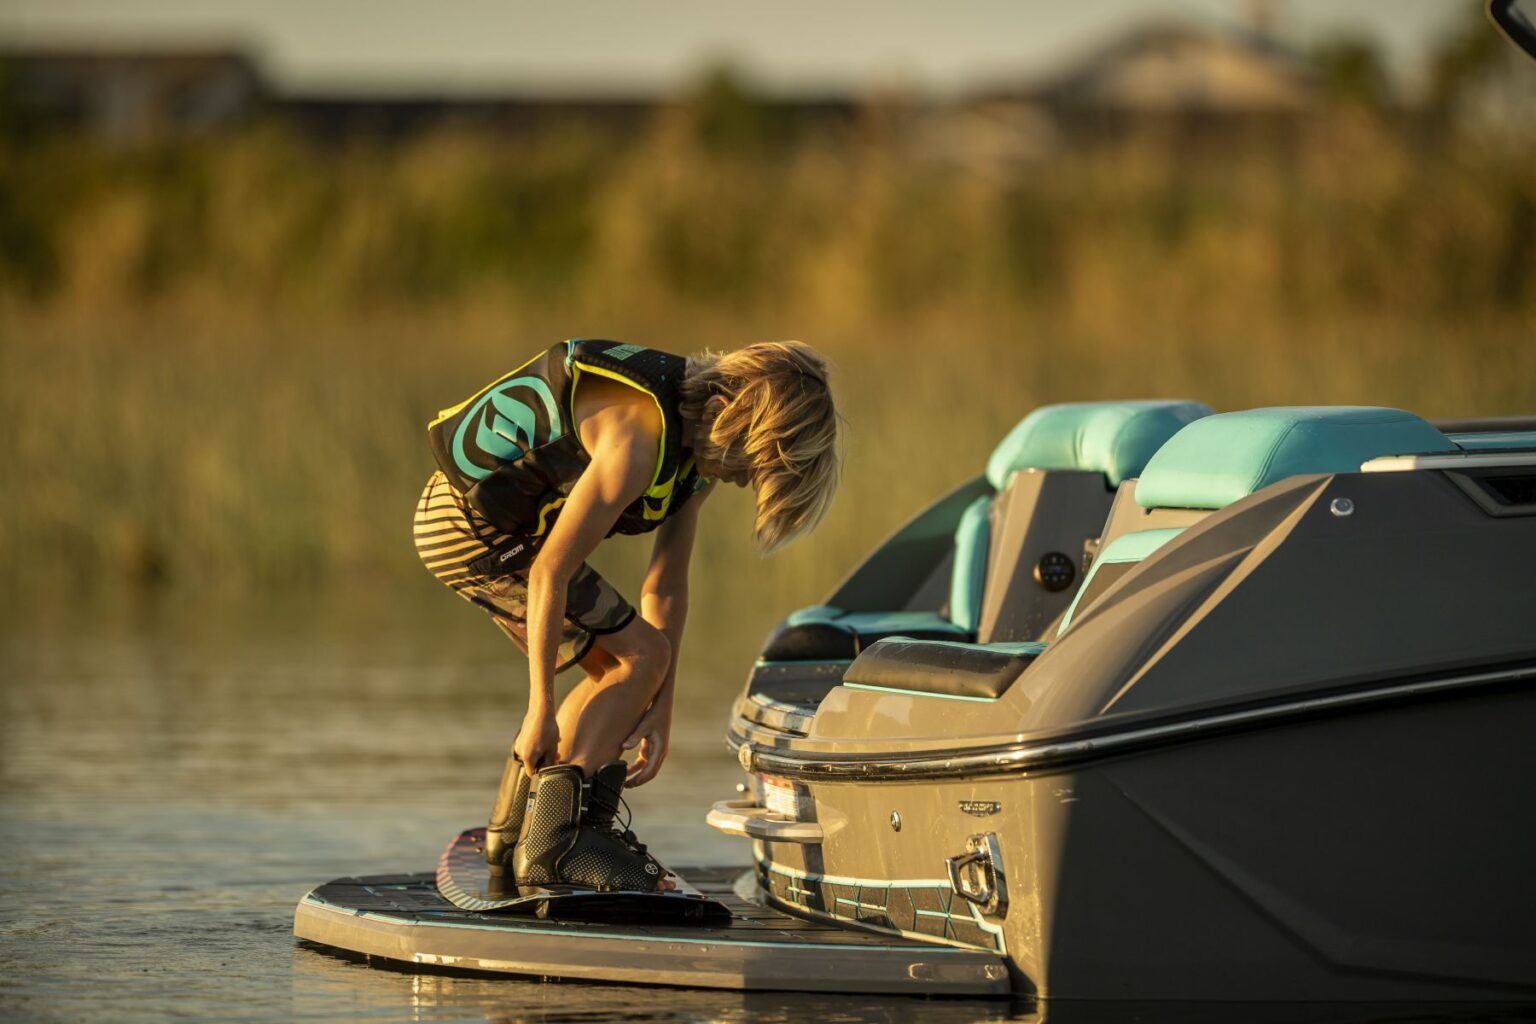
{"type": "Point", "coordinates": [823, 632]}
{"type": "Point", "coordinates": [942, 667]}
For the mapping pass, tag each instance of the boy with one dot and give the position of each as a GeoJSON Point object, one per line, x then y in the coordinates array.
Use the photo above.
{"type": "Point", "coordinates": [588, 439]}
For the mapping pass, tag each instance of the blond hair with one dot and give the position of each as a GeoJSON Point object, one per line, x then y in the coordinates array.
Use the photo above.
{"type": "Point", "coordinates": [778, 426]}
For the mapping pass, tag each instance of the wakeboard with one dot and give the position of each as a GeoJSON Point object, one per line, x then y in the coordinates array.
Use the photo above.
{"type": "Point", "coordinates": [464, 879]}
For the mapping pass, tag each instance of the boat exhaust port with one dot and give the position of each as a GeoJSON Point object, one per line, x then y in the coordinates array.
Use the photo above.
{"type": "Point", "coordinates": [977, 875]}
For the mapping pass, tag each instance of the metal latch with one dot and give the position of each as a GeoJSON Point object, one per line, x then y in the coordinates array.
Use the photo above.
{"type": "Point", "coordinates": [977, 875]}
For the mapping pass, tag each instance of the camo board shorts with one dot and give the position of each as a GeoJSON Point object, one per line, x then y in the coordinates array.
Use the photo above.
{"type": "Point", "coordinates": [450, 535]}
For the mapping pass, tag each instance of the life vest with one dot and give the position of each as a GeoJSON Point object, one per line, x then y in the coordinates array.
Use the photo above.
{"type": "Point", "coordinates": [513, 450]}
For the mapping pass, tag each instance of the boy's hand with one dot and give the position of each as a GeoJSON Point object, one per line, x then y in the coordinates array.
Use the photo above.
{"type": "Point", "coordinates": [538, 741]}
{"type": "Point", "coordinates": [652, 736]}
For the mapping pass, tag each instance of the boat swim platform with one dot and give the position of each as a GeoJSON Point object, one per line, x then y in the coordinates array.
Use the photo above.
{"type": "Point", "coordinates": [405, 920]}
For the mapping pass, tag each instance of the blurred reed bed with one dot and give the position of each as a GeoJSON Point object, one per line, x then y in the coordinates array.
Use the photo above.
{"type": "Point", "coordinates": [217, 357]}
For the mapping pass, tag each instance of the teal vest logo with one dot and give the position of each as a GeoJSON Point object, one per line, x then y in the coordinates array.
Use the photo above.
{"type": "Point", "coordinates": [506, 425]}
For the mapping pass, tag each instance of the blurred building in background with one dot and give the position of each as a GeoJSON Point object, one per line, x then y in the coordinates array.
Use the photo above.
{"type": "Point", "coordinates": [132, 96]}
{"type": "Point", "coordinates": [1209, 84]}
{"type": "Point", "coordinates": [135, 96]}
{"type": "Point", "coordinates": [1174, 69]}
{"type": "Point", "coordinates": [1206, 80]}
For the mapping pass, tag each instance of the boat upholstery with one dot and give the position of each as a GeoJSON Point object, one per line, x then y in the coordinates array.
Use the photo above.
{"type": "Point", "coordinates": [943, 668]}
{"type": "Point", "coordinates": [1110, 438]}
{"type": "Point", "coordinates": [1113, 438]}
{"type": "Point", "coordinates": [822, 631]}
{"type": "Point", "coordinates": [1220, 459]}
{"type": "Point", "coordinates": [973, 542]}
{"type": "Point", "coordinates": [1224, 458]}
{"type": "Point", "coordinates": [1211, 462]}
{"type": "Point", "coordinates": [959, 669]}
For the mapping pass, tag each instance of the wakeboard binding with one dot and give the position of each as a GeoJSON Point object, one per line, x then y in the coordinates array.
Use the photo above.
{"type": "Point", "coordinates": [572, 839]}
{"type": "Point", "coordinates": [506, 824]}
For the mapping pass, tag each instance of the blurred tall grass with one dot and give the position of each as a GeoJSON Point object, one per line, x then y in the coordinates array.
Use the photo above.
{"type": "Point", "coordinates": [217, 356]}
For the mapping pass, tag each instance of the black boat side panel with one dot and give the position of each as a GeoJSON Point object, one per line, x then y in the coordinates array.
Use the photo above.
{"type": "Point", "coordinates": [403, 918]}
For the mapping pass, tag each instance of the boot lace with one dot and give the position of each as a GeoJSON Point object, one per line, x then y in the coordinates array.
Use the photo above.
{"type": "Point", "coordinates": [621, 831]}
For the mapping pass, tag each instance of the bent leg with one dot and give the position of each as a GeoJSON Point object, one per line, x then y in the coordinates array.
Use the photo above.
{"type": "Point", "coordinates": [598, 664]}
{"type": "Point", "coordinates": [602, 669]}
{"type": "Point", "coordinates": [624, 670]}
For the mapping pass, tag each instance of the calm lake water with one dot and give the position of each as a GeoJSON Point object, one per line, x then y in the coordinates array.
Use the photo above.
{"type": "Point", "coordinates": [173, 777]}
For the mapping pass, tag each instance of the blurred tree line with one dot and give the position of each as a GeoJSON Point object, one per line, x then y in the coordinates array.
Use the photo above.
{"type": "Point", "coordinates": [726, 201]}
{"type": "Point", "coordinates": [217, 353]}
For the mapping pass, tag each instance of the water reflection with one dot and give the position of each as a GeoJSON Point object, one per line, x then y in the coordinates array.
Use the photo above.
{"type": "Point", "coordinates": [439, 996]}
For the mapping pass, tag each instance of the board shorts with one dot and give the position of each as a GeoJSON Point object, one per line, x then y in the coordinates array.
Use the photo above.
{"type": "Point", "coordinates": [451, 536]}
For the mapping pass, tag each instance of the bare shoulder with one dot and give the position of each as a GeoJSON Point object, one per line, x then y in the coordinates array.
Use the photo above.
{"type": "Point", "coordinates": [618, 425]}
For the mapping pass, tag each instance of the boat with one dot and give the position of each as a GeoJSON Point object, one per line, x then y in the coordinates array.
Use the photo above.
{"type": "Point", "coordinates": [1265, 735]}
{"type": "Point", "coordinates": [1166, 704]}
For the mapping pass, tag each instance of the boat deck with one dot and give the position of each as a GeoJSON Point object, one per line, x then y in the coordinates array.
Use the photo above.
{"type": "Point", "coordinates": [403, 918]}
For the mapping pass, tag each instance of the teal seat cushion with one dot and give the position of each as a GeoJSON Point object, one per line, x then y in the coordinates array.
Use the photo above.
{"type": "Point", "coordinates": [973, 542]}
{"type": "Point", "coordinates": [868, 624]}
{"type": "Point", "coordinates": [1117, 558]}
{"type": "Point", "coordinates": [1113, 438]}
{"type": "Point", "coordinates": [1219, 459]}
{"type": "Point", "coordinates": [823, 631]}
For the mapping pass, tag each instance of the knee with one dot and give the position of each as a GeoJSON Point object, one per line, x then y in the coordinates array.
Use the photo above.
{"type": "Point", "coordinates": [648, 651]}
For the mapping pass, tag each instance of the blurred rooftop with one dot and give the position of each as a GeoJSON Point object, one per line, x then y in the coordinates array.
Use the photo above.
{"type": "Point", "coordinates": [1160, 69]}
{"type": "Point", "coordinates": [613, 48]}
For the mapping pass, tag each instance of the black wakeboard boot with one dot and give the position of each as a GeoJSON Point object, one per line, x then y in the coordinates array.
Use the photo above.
{"type": "Point", "coordinates": [506, 822]}
{"type": "Point", "coordinates": [561, 849]}
{"type": "Point", "coordinates": [604, 801]}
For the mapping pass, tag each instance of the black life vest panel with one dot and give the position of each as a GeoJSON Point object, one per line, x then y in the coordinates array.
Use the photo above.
{"type": "Point", "coordinates": [513, 450]}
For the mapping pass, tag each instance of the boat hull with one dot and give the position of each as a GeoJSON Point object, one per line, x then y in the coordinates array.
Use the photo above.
{"type": "Point", "coordinates": [1381, 854]}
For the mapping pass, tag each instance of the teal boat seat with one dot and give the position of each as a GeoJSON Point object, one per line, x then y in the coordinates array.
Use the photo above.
{"type": "Point", "coordinates": [1112, 438]}
{"type": "Point", "coordinates": [985, 671]}
{"type": "Point", "coordinates": [1224, 458]}
{"type": "Point", "coordinates": [973, 543]}
{"type": "Point", "coordinates": [1220, 459]}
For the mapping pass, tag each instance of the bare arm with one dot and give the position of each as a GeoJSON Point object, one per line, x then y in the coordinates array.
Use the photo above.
{"type": "Point", "coordinates": [664, 604]}
{"type": "Point", "coordinates": [622, 441]}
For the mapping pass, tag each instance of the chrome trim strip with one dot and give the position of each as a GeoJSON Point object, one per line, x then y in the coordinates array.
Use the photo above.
{"type": "Point", "coordinates": [1477, 458]}
{"type": "Point", "coordinates": [1030, 756]}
